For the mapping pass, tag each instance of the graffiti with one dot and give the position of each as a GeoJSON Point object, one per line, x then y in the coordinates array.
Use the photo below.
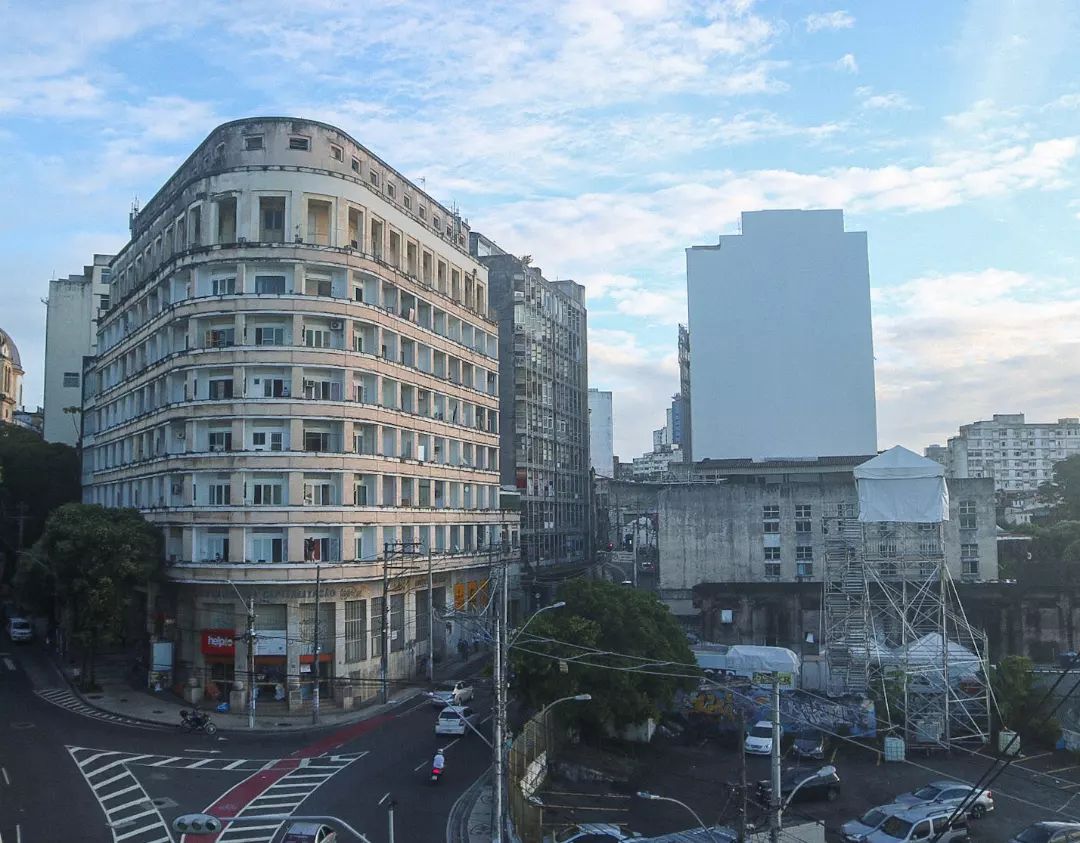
{"type": "Point", "coordinates": [798, 710]}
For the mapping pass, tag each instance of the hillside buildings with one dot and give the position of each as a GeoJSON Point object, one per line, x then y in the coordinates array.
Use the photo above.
{"type": "Point", "coordinates": [783, 362]}
{"type": "Point", "coordinates": [601, 433]}
{"type": "Point", "coordinates": [11, 375]}
{"type": "Point", "coordinates": [75, 304]}
{"type": "Point", "coordinates": [298, 371]}
{"type": "Point", "coordinates": [544, 440]}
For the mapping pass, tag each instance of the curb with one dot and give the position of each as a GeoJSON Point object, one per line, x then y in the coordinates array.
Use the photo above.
{"type": "Point", "coordinates": [457, 823]}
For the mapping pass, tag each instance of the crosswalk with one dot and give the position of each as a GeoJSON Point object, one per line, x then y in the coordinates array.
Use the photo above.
{"type": "Point", "coordinates": [64, 698]}
{"type": "Point", "coordinates": [135, 818]}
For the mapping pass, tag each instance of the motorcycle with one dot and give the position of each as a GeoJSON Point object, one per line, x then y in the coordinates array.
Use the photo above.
{"type": "Point", "coordinates": [436, 773]}
{"type": "Point", "coordinates": [192, 721]}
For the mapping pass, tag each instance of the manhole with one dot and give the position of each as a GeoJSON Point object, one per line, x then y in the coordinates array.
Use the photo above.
{"type": "Point", "coordinates": [164, 802]}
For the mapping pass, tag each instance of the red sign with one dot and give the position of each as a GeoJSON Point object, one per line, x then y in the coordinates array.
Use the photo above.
{"type": "Point", "coordinates": [218, 642]}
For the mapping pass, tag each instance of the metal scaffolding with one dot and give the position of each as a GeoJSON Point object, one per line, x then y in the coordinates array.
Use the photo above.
{"type": "Point", "coordinates": [895, 630]}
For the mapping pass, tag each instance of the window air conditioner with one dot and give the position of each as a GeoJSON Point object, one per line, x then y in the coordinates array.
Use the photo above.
{"type": "Point", "coordinates": [336, 326]}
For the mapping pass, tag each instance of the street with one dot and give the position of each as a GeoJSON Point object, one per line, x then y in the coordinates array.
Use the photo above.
{"type": "Point", "coordinates": [66, 775]}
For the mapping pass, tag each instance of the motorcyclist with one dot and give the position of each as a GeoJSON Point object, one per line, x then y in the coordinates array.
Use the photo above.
{"type": "Point", "coordinates": [439, 761]}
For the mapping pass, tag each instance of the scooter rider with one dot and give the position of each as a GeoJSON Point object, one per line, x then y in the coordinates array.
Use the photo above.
{"type": "Point", "coordinates": [439, 761]}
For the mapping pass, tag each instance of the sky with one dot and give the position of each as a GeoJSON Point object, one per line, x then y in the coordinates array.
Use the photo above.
{"type": "Point", "coordinates": [603, 138]}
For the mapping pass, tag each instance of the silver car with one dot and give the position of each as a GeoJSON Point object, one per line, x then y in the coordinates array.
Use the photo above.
{"type": "Point", "coordinates": [856, 831]}
{"type": "Point", "coordinates": [454, 692]}
{"type": "Point", "coordinates": [950, 793]}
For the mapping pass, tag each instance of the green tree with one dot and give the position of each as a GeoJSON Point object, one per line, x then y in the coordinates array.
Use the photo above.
{"type": "Point", "coordinates": [35, 478]}
{"type": "Point", "coordinates": [90, 558]}
{"type": "Point", "coordinates": [1063, 491]}
{"type": "Point", "coordinates": [1059, 542]}
{"type": "Point", "coordinates": [1013, 684]}
{"type": "Point", "coordinates": [639, 637]}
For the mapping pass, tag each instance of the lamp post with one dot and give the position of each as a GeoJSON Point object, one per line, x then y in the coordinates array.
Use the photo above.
{"type": "Point", "coordinates": [577, 697]}
{"type": "Point", "coordinates": [644, 794]}
{"type": "Point", "coordinates": [825, 771]}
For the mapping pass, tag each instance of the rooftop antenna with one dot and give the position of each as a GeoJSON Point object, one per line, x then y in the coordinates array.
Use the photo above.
{"type": "Point", "coordinates": [134, 213]}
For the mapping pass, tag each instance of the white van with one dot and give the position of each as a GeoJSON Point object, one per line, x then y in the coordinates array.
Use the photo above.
{"type": "Point", "coordinates": [922, 823]}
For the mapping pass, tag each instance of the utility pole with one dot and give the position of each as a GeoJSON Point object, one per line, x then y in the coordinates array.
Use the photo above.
{"type": "Point", "coordinates": [431, 620]}
{"type": "Point", "coordinates": [500, 706]}
{"type": "Point", "coordinates": [251, 662]}
{"type": "Point", "coordinates": [774, 794]}
{"type": "Point", "coordinates": [390, 817]}
{"type": "Point", "coordinates": [383, 661]}
{"type": "Point", "coordinates": [742, 778]}
{"type": "Point", "coordinates": [315, 668]}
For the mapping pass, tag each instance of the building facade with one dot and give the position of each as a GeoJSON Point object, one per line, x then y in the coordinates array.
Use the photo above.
{"type": "Point", "coordinates": [783, 349]}
{"type": "Point", "coordinates": [75, 305]}
{"type": "Point", "coordinates": [11, 375]}
{"type": "Point", "coordinates": [1018, 455]}
{"type": "Point", "coordinates": [297, 380]}
{"type": "Point", "coordinates": [686, 441]}
{"type": "Point", "coordinates": [543, 353]}
{"type": "Point", "coordinates": [601, 433]}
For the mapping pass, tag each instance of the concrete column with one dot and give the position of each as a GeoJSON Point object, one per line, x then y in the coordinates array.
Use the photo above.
{"type": "Point", "coordinates": [245, 281]}
{"type": "Point", "coordinates": [296, 426]}
{"type": "Point", "coordinates": [294, 539]}
{"type": "Point", "coordinates": [295, 480]}
{"type": "Point", "coordinates": [237, 545]}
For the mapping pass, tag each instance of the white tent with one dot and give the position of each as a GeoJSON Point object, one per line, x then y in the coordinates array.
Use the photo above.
{"type": "Point", "coordinates": [928, 651]}
{"type": "Point", "coordinates": [899, 485]}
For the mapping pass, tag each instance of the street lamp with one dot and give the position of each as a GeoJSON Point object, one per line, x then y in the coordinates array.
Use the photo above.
{"type": "Point", "coordinates": [824, 772]}
{"type": "Point", "coordinates": [644, 794]}
{"type": "Point", "coordinates": [577, 697]}
{"type": "Point", "coordinates": [531, 618]}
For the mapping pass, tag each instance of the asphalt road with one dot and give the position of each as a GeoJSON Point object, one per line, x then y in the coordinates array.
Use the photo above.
{"type": "Point", "coordinates": [64, 776]}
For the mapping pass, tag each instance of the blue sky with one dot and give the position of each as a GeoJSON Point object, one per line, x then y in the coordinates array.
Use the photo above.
{"type": "Point", "coordinates": [603, 138]}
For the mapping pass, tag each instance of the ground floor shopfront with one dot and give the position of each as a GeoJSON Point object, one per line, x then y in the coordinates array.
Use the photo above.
{"type": "Point", "coordinates": [354, 622]}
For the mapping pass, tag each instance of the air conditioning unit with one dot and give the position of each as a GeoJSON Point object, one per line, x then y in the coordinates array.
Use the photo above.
{"type": "Point", "coordinates": [180, 434]}
{"type": "Point", "coordinates": [216, 449]}
{"type": "Point", "coordinates": [336, 326]}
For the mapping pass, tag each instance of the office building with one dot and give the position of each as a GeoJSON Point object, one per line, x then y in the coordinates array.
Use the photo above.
{"type": "Point", "coordinates": [11, 375]}
{"type": "Point", "coordinates": [686, 442]}
{"type": "Point", "coordinates": [297, 380]}
{"type": "Point", "coordinates": [783, 352]}
{"type": "Point", "coordinates": [543, 353]}
{"type": "Point", "coordinates": [601, 433]}
{"type": "Point", "coordinates": [74, 306]}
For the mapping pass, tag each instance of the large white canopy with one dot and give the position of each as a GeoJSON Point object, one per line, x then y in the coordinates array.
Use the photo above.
{"type": "Point", "coordinates": [899, 485]}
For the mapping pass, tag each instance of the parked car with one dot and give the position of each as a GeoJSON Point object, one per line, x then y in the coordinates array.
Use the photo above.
{"type": "Point", "coordinates": [952, 793]}
{"type": "Point", "coordinates": [19, 629]}
{"type": "Point", "coordinates": [309, 833]}
{"type": "Point", "coordinates": [594, 833]}
{"type": "Point", "coordinates": [856, 831]}
{"type": "Point", "coordinates": [759, 738]}
{"type": "Point", "coordinates": [453, 692]}
{"type": "Point", "coordinates": [452, 720]}
{"type": "Point", "coordinates": [1048, 832]}
{"type": "Point", "coordinates": [922, 822]}
{"type": "Point", "coordinates": [810, 743]}
{"type": "Point", "coordinates": [819, 784]}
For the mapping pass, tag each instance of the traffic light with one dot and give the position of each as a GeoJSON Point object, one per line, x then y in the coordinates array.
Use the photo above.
{"type": "Point", "coordinates": [197, 824]}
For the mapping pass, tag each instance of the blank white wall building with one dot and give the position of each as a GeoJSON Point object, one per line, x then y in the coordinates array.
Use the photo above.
{"type": "Point", "coordinates": [783, 347]}
{"type": "Point", "coordinates": [601, 433]}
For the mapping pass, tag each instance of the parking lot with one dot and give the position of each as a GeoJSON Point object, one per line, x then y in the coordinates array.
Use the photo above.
{"type": "Point", "coordinates": [703, 775]}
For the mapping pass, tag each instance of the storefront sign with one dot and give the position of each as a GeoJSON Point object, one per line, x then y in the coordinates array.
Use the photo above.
{"type": "Point", "coordinates": [218, 642]}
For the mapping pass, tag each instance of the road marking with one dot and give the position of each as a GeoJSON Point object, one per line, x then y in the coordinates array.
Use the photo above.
{"type": "Point", "coordinates": [205, 751]}
{"type": "Point", "coordinates": [63, 698]}
{"type": "Point", "coordinates": [7, 778]}
{"type": "Point", "coordinates": [8, 663]}
{"type": "Point", "coordinates": [385, 797]}
{"type": "Point", "coordinates": [18, 834]}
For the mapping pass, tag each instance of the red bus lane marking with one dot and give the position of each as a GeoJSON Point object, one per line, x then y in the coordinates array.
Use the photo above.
{"type": "Point", "coordinates": [243, 794]}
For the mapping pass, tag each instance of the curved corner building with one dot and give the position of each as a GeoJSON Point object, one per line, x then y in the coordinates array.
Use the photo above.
{"type": "Point", "coordinates": [298, 373]}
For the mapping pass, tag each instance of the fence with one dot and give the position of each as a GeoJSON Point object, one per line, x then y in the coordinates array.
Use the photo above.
{"type": "Point", "coordinates": [527, 768]}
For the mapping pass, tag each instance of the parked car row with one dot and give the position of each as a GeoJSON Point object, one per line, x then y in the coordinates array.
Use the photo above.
{"type": "Point", "coordinates": [924, 813]}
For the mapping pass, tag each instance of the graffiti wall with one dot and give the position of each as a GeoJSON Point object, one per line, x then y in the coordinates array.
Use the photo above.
{"type": "Point", "coordinates": [799, 710]}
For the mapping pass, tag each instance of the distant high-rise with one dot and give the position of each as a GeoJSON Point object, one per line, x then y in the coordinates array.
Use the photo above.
{"type": "Point", "coordinates": [601, 433]}
{"type": "Point", "coordinates": [783, 347]}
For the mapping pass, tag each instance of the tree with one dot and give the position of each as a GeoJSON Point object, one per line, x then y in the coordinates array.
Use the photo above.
{"type": "Point", "coordinates": [1013, 683]}
{"type": "Point", "coordinates": [1058, 542]}
{"type": "Point", "coordinates": [641, 642]}
{"type": "Point", "coordinates": [1063, 492]}
{"type": "Point", "coordinates": [35, 478]}
{"type": "Point", "coordinates": [91, 558]}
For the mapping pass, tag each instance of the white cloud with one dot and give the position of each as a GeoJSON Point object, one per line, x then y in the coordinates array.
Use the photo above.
{"type": "Point", "coordinates": [829, 20]}
{"type": "Point", "coordinates": [965, 345]}
{"type": "Point", "coordinates": [891, 101]}
{"type": "Point", "coordinates": [847, 62]}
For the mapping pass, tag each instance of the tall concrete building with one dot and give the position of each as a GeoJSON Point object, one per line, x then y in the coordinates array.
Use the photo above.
{"type": "Point", "coordinates": [686, 421]}
{"type": "Point", "coordinates": [11, 375]}
{"type": "Point", "coordinates": [601, 433]}
{"type": "Point", "coordinates": [543, 353]}
{"type": "Point", "coordinates": [783, 349]}
{"type": "Point", "coordinates": [299, 372]}
{"type": "Point", "coordinates": [75, 305]}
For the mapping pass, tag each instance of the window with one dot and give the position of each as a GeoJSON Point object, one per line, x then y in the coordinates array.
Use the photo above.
{"type": "Point", "coordinates": [804, 569]}
{"type": "Point", "coordinates": [373, 177]}
{"type": "Point", "coordinates": [317, 550]}
{"type": "Point", "coordinates": [435, 222]}
{"type": "Point", "coordinates": [106, 303]}
{"type": "Point", "coordinates": [356, 165]}
{"type": "Point", "coordinates": [267, 494]}
{"type": "Point", "coordinates": [316, 441]}
{"type": "Point", "coordinates": [300, 143]}
{"type": "Point", "coordinates": [423, 212]}
{"type": "Point", "coordinates": [270, 284]}
{"type": "Point", "coordinates": [318, 494]}
{"type": "Point", "coordinates": [71, 379]}
{"type": "Point", "coordinates": [407, 200]}
{"type": "Point", "coordinates": [397, 622]}
{"type": "Point", "coordinates": [322, 390]}
{"type": "Point", "coordinates": [804, 552]}
{"type": "Point", "coordinates": [772, 570]}
{"type": "Point", "coordinates": [223, 286]}
{"type": "Point", "coordinates": [316, 338]}
{"type": "Point", "coordinates": [219, 494]}
{"type": "Point", "coordinates": [355, 630]}
{"type": "Point", "coordinates": [272, 388]}
{"type": "Point", "coordinates": [770, 514]}
{"type": "Point", "coordinates": [887, 548]}
{"type": "Point", "coordinates": [970, 566]}
{"type": "Point", "coordinates": [772, 553]}
{"type": "Point", "coordinates": [272, 220]}
{"type": "Point", "coordinates": [267, 549]}
{"type": "Point", "coordinates": [221, 338]}
{"type": "Point", "coordinates": [803, 510]}
{"type": "Point", "coordinates": [220, 440]}
{"type": "Point", "coordinates": [968, 520]}
{"type": "Point", "coordinates": [360, 495]}
{"type": "Point", "coordinates": [221, 388]}
{"type": "Point", "coordinates": [337, 153]}
{"type": "Point", "coordinates": [378, 618]}
{"type": "Point", "coordinates": [269, 336]}
{"type": "Point", "coordinates": [803, 525]}
{"type": "Point", "coordinates": [253, 142]}
{"type": "Point", "coordinates": [262, 441]}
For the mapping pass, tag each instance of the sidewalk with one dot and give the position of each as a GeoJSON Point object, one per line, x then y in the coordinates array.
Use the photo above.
{"type": "Point", "coordinates": [471, 817]}
{"type": "Point", "coordinates": [118, 696]}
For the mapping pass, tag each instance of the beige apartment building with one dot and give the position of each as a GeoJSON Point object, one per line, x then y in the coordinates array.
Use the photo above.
{"type": "Point", "coordinates": [11, 374]}
{"type": "Point", "coordinates": [298, 372]}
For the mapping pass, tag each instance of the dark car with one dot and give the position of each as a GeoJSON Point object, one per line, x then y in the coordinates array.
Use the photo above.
{"type": "Point", "coordinates": [1048, 832]}
{"type": "Point", "coordinates": [810, 743]}
{"type": "Point", "coordinates": [817, 784]}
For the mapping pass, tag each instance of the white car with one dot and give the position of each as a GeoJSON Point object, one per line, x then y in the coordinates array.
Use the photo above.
{"type": "Point", "coordinates": [305, 832]}
{"type": "Point", "coordinates": [950, 793]}
{"type": "Point", "coordinates": [19, 629]}
{"type": "Point", "coordinates": [452, 720]}
{"type": "Point", "coordinates": [594, 833]}
{"type": "Point", "coordinates": [759, 739]}
{"type": "Point", "coordinates": [856, 831]}
{"type": "Point", "coordinates": [454, 692]}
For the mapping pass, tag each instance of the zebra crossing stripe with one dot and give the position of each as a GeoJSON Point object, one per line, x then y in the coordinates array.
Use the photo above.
{"type": "Point", "coordinates": [146, 823]}
{"type": "Point", "coordinates": [63, 698]}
